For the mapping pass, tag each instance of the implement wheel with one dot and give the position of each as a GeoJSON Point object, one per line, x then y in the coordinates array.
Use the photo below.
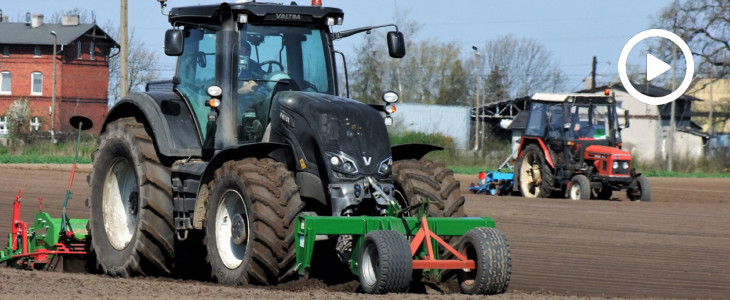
{"type": "Point", "coordinates": [385, 262]}
{"type": "Point", "coordinates": [131, 203]}
{"type": "Point", "coordinates": [250, 221]}
{"type": "Point", "coordinates": [534, 176]}
{"type": "Point", "coordinates": [490, 251]}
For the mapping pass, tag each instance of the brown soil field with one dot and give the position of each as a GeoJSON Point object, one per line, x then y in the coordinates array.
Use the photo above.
{"type": "Point", "coordinates": [677, 246]}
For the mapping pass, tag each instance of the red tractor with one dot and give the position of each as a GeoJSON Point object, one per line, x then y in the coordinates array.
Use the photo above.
{"type": "Point", "coordinates": [571, 147]}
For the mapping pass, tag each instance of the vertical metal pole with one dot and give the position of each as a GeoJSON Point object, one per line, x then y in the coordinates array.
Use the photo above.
{"type": "Point", "coordinates": [123, 51]}
{"type": "Point", "coordinates": [53, 93]}
{"type": "Point", "coordinates": [672, 125]}
{"type": "Point", "coordinates": [476, 102]}
{"type": "Point", "coordinates": [709, 118]}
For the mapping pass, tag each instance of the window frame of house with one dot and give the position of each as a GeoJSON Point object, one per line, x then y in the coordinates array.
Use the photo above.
{"type": "Point", "coordinates": [32, 84]}
{"type": "Point", "coordinates": [10, 83]}
{"type": "Point", "coordinates": [37, 51]}
{"type": "Point", "coordinates": [91, 50]}
{"type": "Point", "coordinates": [79, 53]}
{"type": "Point", "coordinates": [6, 50]}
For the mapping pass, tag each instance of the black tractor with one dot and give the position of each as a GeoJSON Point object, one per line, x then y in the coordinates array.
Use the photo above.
{"type": "Point", "coordinates": [249, 135]}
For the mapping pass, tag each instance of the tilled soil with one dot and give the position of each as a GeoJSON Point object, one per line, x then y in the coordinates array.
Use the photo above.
{"type": "Point", "coordinates": [677, 246]}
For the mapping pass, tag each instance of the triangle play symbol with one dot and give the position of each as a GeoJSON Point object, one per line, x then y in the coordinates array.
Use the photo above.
{"type": "Point", "coordinates": [655, 67]}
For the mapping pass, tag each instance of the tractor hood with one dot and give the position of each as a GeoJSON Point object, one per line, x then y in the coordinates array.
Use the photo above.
{"type": "Point", "coordinates": [335, 126]}
{"type": "Point", "coordinates": [606, 152]}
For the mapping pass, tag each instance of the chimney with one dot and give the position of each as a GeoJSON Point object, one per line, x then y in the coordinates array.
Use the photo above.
{"type": "Point", "coordinates": [589, 83]}
{"type": "Point", "coordinates": [37, 21]}
{"type": "Point", "coordinates": [70, 20]}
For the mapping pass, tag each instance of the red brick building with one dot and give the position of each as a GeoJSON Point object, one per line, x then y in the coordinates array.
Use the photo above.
{"type": "Point", "coordinates": [82, 69]}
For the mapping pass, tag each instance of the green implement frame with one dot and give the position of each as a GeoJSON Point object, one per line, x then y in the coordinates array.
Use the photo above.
{"type": "Point", "coordinates": [311, 226]}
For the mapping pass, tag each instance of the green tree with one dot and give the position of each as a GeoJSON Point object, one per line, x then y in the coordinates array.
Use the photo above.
{"type": "Point", "coordinates": [367, 78]}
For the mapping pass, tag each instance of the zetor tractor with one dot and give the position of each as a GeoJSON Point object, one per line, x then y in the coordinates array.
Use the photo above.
{"type": "Point", "coordinates": [252, 157]}
{"type": "Point", "coordinates": [571, 147]}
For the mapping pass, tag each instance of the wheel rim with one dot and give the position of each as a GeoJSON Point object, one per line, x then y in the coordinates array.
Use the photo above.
{"type": "Point", "coordinates": [120, 203]}
{"type": "Point", "coordinates": [575, 191]}
{"type": "Point", "coordinates": [468, 277]}
{"type": "Point", "coordinates": [369, 266]}
{"type": "Point", "coordinates": [530, 177]}
{"type": "Point", "coordinates": [232, 229]}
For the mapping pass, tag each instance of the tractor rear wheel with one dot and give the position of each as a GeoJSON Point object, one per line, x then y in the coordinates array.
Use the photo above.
{"type": "Point", "coordinates": [385, 262]}
{"type": "Point", "coordinates": [416, 179]}
{"type": "Point", "coordinates": [489, 250]}
{"type": "Point", "coordinates": [580, 188]}
{"type": "Point", "coordinates": [131, 203]}
{"type": "Point", "coordinates": [534, 176]}
{"type": "Point", "coordinates": [641, 191]}
{"type": "Point", "coordinates": [250, 220]}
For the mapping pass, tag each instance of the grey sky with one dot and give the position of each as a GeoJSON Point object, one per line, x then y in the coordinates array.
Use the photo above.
{"type": "Point", "coordinates": [574, 31]}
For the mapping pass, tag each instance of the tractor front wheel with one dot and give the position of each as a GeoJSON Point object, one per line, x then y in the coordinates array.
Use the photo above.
{"type": "Point", "coordinates": [250, 220]}
{"type": "Point", "coordinates": [489, 250]}
{"type": "Point", "coordinates": [580, 188]}
{"type": "Point", "coordinates": [641, 191]}
{"type": "Point", "coordinates": [385, 262]}
{"type": "Point", "coordinates": [131, 203]}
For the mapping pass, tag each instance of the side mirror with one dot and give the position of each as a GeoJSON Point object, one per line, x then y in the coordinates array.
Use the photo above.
{"type": "Point", "coordinates": [174, 42]}
{"type": "Point", "coordinates": [396, 44]}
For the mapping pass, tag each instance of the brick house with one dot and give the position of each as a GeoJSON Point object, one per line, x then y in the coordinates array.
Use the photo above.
{"type": "Point", "coordinates": [82, 70]}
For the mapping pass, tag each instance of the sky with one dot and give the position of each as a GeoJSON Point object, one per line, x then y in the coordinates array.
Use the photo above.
{"type": "Point", "coordinates": [572, 30]}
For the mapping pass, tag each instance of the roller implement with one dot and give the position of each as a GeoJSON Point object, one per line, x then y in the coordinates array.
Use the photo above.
{"type": "Point", "coordinates": [249, 153]}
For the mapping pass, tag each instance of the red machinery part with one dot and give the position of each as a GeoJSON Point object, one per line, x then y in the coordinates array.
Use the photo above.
{"type": "Point", "coordinates": [424, 235]}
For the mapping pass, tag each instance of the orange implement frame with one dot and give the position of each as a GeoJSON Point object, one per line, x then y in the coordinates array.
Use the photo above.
{"type": "Point", "coordinates": [429, 261]}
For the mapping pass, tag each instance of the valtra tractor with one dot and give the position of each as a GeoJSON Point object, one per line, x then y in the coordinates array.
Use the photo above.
{"type": "Point", "coordinates": [571, 148]}
{"type": "Point", "coordinates": [252, 152]}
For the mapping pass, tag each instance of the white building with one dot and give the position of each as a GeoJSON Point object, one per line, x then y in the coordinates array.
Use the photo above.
{"type": "Point", "coordinates": [451, 121]}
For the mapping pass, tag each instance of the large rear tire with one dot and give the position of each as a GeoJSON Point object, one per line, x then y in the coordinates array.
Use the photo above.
{"type": "Point", "coordinates": [251, 216]}
{"type": "Point", "coordinates": [131, 203]}
{"type": "Point", "coordinates": [385, 262]}
{"type": "Point", "coordinates": [416, 179]}
{"type": "Point", "coordinates": [490, 251]}
{"type": "Point", "coordinates": [534, 176]}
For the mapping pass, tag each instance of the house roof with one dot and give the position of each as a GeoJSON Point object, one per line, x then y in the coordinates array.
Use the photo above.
{"type": "Point", "coordinates": [644, 88]}
{"type": "Point", "coordinates": [22, 34]}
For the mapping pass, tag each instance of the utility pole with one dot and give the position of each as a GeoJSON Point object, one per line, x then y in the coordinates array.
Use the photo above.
{"type": "Point", "coordinates": [709, 118]}
{"type": "Point", "coordinates": [672, 126]}
{"type": "Point", "coordinates": [53, 93]}
{"type": "Point", "coordinates": [593, 73]}
{"type": "Point", "coordinates": [123, 51]}
{"type": "Point", "coordinates": [476, 101]}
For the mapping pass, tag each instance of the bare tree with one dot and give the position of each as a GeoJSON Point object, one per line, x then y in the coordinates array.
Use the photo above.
{"type": "Point", "coordinates": [705, 26]}
{"type": "Point", "coordinates": [142, 64]}
{"type": "Point", "coordinates": [525, 66]}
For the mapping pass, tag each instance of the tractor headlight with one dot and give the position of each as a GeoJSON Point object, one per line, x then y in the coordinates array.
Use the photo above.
{"type": "Point", "coordinates": [625, 165]}
{"type": "Point", "coordinates": [615, 165]}
{"type": "Point", "coordinates": [385, 166]}
{"type": "Point", "coordinates": [342, 163]}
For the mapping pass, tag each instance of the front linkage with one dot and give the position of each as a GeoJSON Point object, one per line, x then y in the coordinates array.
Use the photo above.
{"type": "Point", "coordinates": [384, 259]}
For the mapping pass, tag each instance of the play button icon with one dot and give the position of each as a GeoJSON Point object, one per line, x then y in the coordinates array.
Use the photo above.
{"type": "Point", "coordinates": [655, 67]}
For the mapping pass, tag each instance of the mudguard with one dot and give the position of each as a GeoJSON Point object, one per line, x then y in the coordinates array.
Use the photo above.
{"type": "Point", "coordinates": [167, 116]}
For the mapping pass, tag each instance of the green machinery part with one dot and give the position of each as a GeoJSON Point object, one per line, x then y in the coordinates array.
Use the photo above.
{"type": "Point", "coordinates": [311, 226]}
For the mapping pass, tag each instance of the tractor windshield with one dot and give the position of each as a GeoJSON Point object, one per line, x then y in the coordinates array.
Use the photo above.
{"type": "Point", "coordinates": [293, 57]}
{"type": "Point", "coordinates": [590, 121]}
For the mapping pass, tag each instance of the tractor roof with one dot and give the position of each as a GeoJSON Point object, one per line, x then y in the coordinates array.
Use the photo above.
{"type": "Point", "coordinates": [256, 12]}
{"type": "Point", "coordinates": [574, 97]}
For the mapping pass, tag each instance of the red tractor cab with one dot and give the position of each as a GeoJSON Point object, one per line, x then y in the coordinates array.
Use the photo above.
{"type": "Point", "coordinates": [571, 147]}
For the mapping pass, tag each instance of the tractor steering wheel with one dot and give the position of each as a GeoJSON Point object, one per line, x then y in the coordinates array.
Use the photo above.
{"type": "Point", "coordinates": [271, 62]}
